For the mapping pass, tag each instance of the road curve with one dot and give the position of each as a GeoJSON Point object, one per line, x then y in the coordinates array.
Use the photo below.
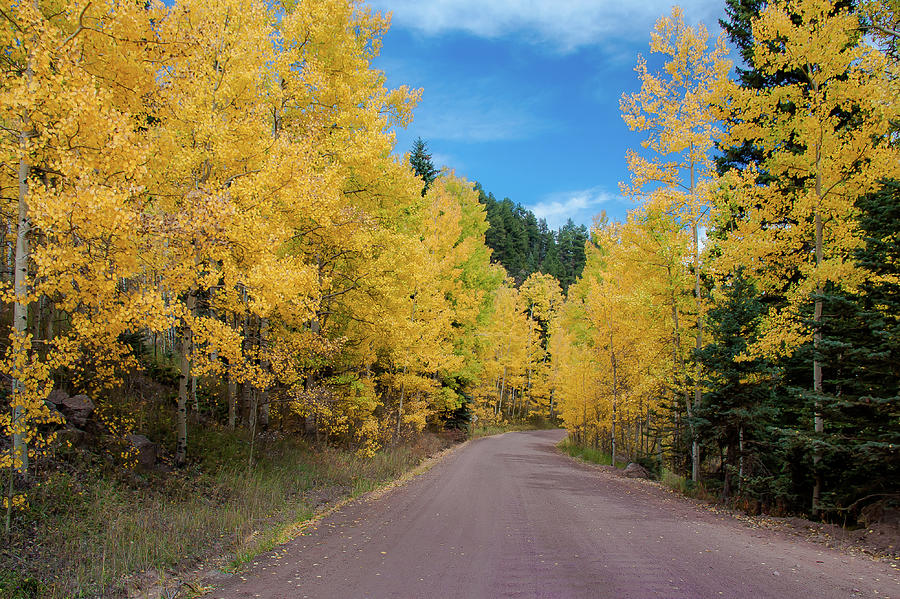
{"type": "Point", "coordinates": [509, 516]}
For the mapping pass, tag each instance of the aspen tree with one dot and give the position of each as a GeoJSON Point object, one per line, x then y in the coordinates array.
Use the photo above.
{"type": "Point", "coordinates": [80, 183]}
{"type": "Point", "coordinates": [675, 109]}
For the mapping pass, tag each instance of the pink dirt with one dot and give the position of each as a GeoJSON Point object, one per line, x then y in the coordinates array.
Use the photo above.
{"type": "Point", "coordinates": [509, 516]}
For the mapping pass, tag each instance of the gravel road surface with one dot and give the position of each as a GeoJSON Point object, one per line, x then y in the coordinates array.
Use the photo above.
{"type": "Point", "coordinates": [509, 516]}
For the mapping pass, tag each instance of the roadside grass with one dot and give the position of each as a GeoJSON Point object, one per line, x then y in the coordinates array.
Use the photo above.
{"type": "Point", "coordinates": [587, 454]}
{"type": "Point", "coordinates": [87, 535]}
{"type": "Point", "coordinates": [687, 487]}
{"type": "Point", "coordinates": [676, 482]}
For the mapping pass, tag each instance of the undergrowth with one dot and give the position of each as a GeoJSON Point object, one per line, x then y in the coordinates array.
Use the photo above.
{"type": "Point", "coordinates": [89, 528]}
{"type": "Point", "coordinates": [587, 454]}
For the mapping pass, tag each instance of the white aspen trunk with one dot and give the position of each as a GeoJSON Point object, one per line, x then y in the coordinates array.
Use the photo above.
{"type": "Point", "coordinates": [253, 414]}
{"type": "Point", "coordinates": [232, 385]}
{"type": "Point", "coordinates": [264, 394]}
{"type": "Point", "coordinates": [679, 359]}
{"type": "Point", "coordinates": [246, 347]}
{"type": "Point", "coordinates": [638, 446]}
{"type": "Point", "coordinates": [528, 365]}
{"type": "Point", "coordinates": [615, 404]}
{"type": "Point", "coordinates": [186, 349]}
{"type": "Point", "coordinates": [698, 394]}
{"type": "Point", "coordinates": [400, 408]}
{"type": "Point", "coordinates": [9, 252]}
{"type": "Point", "coordinates": [740, 458]}
{"type": "Point", "coordinates": [502, 390]}
{"type": "Point", "coordinates": [232, 402]}
{"type": "Point", "coordinates": [20, 307]}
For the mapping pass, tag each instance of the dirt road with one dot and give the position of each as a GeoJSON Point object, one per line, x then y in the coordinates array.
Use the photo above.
{"type": "Point", "coordinates": [509, 516]}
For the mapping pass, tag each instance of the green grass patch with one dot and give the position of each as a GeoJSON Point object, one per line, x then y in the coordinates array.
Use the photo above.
{"type": "Point", "coordinates": [587, 454]}
{"type": "Point", "coordinates": [686, 486]}
{"type": "Point", "coordinates": [16, 586]}
{"type": "Point", "coordinates": [674, 481]}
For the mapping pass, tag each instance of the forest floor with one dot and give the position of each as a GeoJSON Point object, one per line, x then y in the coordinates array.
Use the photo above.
{"type": "Point", "coordinates": [510, 516]}
{"type": "Point", "coordinates": [95, 530]}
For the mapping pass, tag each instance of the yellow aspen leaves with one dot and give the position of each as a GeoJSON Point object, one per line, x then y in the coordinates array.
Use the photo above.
{"type": "Point", "coordinates": [806, 232]}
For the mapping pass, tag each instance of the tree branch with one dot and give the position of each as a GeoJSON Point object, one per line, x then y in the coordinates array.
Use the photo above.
{"type": "Point", "coordinates": [79, 29]}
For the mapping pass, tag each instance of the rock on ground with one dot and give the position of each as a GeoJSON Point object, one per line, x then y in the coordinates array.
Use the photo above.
{"type": "Point", "coordinates": [77, 409]}
{"type": "Point", "coordinates": [147, 450]}
{"type": "Point", "coordinates": [634, 470]}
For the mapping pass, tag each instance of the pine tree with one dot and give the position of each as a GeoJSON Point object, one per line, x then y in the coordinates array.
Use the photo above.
{"type": "Point", "coordinates": [736, 413]}
{"type": "Point", "coordinates": [421, 163]}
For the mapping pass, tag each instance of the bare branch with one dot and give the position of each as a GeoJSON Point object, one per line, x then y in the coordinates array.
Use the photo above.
{"type": "Point", "coordinates": [79, 29]}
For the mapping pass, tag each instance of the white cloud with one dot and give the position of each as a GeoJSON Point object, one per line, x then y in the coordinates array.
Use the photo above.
{"type": "Point", "coordinates": [467, 117]}
{"type": "Point", "coordinates": [563, 24]}
{"type": "Point", "coordinates": [441, 161]}
{"type": "Point", "coordinates": [579, 205]}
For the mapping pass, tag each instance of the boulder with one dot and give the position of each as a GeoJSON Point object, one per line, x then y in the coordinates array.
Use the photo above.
{"type": "Point", "coordinates": [77, 410]}
{"type": "Point", "coordinates": [634, 470]}
{"type": "Point", "coordinates": [147, 450]}
{"type": "Point", "coordinates": [57, 397]}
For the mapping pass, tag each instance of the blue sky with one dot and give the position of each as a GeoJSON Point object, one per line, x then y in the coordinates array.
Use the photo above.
{"type": "Point", "coordinates": [523, 95]}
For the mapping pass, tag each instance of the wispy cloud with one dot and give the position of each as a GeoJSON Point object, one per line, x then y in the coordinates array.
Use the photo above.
{"type": "Point", "coordinates": [447, 161]}
{"type": "Point", "coordinates": [475, 118]}
{"type": "Point", "coordinates": [579, 205]}
{"type": "Point", "coordinates": [563, 24]}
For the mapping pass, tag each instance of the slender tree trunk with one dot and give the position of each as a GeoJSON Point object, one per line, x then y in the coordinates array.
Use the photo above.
{"type": "Point", "coordinates": [740, 458]}
{"type": "Point", "coordinates": [527, 393]}
{"type": "Point", "coordinates": [502, 390]}
{"type": "Point", "coordinates": [698, 393]}
{"type": "Point", "coordinates": [232, 402]}
{"type": "Point", "coordinates": [584, 421]}
{"type": "Point", "coordinates": [185, 350]}
{"type": "Point", "coordinates": [7, 275]}
{"type": "Point", "coordinates": [246, 389]}
{"type": "Point", "coordinates": [49, 330]}
{"type": "Point", "coordinates": [400, 408]}
{"type": "Point", "coordinates": [254, 402]}
{"type": "Point", "coordinates": [20, 287]}
{"type": "Point", "coordinates": [819, 420]}
{"type": "Point", "coordinates": [264, 394]}
{"type": "Point", "coordinates": [679, 359]}
{"type": "Point", "coordinates": [552, 407]}
{"type": "Point", "coordinates": [636, 448]}
{"type": "Point", "coordinates": [728, 465]}
{"type": "Point", "coordinates": [615, 403]}
{"type": "Point", "coordinates": [232, 386]}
